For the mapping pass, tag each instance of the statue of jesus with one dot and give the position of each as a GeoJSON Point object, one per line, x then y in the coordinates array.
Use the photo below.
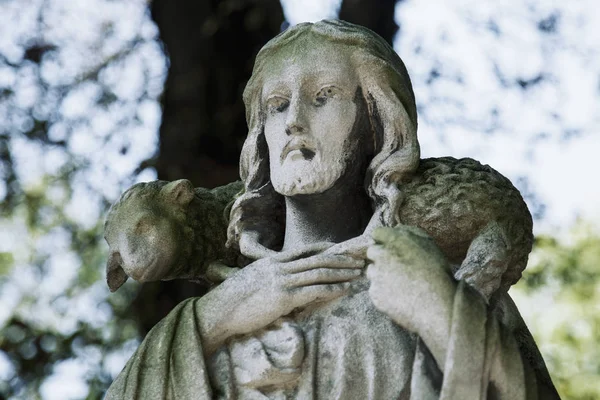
{"type": "Point", "coordinates": [340, 302]}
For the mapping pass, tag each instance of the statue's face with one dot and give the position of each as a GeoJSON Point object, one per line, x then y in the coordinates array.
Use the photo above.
{"type": "Point", "coordinates": [309, 99]}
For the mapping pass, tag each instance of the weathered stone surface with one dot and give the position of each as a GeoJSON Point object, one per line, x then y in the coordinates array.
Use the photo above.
{"type": "Point", "coordinates": [331, 176]}
{"type": "Point", "coordinates": [473, 213]}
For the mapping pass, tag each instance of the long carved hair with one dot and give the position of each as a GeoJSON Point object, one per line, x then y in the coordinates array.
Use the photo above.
{"type": "Point", "coordinates": [390, 101]}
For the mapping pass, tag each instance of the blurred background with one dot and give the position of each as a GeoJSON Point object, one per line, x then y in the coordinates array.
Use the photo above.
{"type": "Point", "coordinates": [96, 95]}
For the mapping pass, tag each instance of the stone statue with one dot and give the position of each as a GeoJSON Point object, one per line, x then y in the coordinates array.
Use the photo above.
{"type": "Point", "coordinates": [479, 221]}
{"type": "Point", "coordinates": [345, 299]}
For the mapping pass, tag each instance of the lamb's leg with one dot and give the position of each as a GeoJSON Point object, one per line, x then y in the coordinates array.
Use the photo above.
{"type": "Point", "coordinates": [217, 272]}
{"type": "Point", "coordinates": [487, 259]}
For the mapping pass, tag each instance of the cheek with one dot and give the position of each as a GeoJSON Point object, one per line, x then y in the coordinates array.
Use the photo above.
{"type": "Point", "coordinates": [275, 135]}
{"type": "Point", "coordinates": [335, 127]}
{"type": "Point", "coordinates": [167, 237]}
{"type": "Point", "coordinates": [137, 248]}
{"type": "Point", "coordinates": [346, 118]}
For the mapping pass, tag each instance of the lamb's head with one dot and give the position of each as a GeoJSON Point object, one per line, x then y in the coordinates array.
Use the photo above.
{"type": "Point", "coordinates": [147, 232]}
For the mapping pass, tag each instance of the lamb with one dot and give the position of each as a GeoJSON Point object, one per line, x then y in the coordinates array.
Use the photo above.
{"type": "Point", "coordinates": [166, 230]}
{"type": "Point", "coordinates": [478, 219]}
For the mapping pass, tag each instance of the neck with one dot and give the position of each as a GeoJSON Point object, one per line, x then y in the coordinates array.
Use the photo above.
{"type": "Point", "coordinates": [338, 214]}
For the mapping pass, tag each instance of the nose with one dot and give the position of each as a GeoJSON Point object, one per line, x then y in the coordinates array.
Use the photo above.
{"type": "Point", "coordinates": [115, 276]}
{"type": "Point", "coordinates": [294, 123]}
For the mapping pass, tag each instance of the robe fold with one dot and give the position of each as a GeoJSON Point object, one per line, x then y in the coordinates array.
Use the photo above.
{"type": "Point", "coordinates": [342, 349]}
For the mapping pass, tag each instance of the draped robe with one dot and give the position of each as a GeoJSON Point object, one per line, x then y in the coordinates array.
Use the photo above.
{"type": "Point", "coordinates": [341, 349]}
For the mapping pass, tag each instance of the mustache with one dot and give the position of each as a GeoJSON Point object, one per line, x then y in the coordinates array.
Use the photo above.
{"type": "Point", "coordinates": [305, 146]}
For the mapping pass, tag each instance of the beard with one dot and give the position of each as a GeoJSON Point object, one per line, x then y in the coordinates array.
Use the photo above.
{"type": "Point", "coordinates": [295, 177]}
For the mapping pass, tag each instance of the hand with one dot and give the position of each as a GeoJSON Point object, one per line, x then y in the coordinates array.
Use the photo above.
{"type": "Point", "coordinates": [355, 247]}
{"type": "Point", "coordinates": [411, 282]}
{"type": "Point", "coordinates": [270, 288]}
{"type": "Point", "coordinates": [250, 247]}
{"type": "Point", "coordinates": [306, 251]}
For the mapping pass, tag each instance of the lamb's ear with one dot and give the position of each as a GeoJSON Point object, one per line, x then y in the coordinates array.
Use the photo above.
{"type": "Point", "coordinates": [181, 191]}
{"type": "Point", "coordinates": [115, 276]}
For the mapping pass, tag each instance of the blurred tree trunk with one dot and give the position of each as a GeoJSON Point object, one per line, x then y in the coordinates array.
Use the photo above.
{"type": "Point", "coordinates": [377, 15]}
{"type": "Point", "coordinates": [211, 45]}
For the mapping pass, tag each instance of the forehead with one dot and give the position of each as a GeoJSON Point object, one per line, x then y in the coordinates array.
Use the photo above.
{"type": "Point", "coordinates": [303, 65]}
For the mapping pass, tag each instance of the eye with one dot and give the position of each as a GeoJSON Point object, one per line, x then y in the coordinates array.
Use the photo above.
{"type": "Point", "coordinates": [324, 94]}
{"type": "Point", "coordinates": [277, 104]}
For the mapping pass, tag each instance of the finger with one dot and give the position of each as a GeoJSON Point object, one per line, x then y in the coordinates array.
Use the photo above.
{"type": "Point", "coordinates": [383, 234]}
{"type": "Point", "coordinates": [323, 276]}
{"type": "Point", "coordinates": [371, 272]}
{"type": "Point", "coordinates": [303, 252]}
{"type": "Point", "coordinates": [383, 265]}
{"type": "Point", "coordinates": [323, 261]}
{"type": "Point", "coordinates": [377, 273]}
{"type": "Point", "coordinates": [251, 248]}
{"type": "Point", "coordinates": [356, 247]}
{"type": "Point", "coordinates": [377, 253]}
{"type": "Point", "coordinates": [317, 293]}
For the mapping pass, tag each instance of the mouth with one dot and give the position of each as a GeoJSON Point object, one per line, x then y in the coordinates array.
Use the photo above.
{"type": "Point", "coordinates": [300, 147]}
{"type": "Point", "coordinates": [144, 272]}
{"type": "Point", "coordinates": [307, 153]}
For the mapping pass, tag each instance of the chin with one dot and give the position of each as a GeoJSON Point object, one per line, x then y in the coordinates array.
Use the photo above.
{"type": "Point", "coordinates": [297, 177]}
{"type": "Point", "coordinates": [306, 182]}
{"type": "Point", "coordinates": [303, 187]}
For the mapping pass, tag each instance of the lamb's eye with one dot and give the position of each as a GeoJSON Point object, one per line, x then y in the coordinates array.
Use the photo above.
{"type": "Point", "coordinates": [326, 93]}
{"type": "Point", "coordinates": [277, 104]}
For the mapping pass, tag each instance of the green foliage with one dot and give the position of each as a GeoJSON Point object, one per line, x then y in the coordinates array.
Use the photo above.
{"type": "Point", "coordinates": [564, 277]}
{"type": "Point", "coordinates": [72, 135]}
{"type": "Point", "coordinates": [35, 343]}
{"type": "Point", "coordinates": [6, 262]}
